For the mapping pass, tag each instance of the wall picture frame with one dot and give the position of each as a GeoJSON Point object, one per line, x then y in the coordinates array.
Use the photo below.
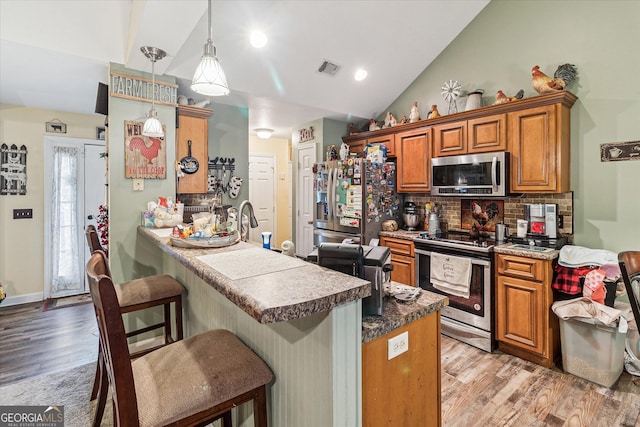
{"type": "Point", "coordinates": [101, 133]}
{"type": "Point", "coordinates": [55, 126]}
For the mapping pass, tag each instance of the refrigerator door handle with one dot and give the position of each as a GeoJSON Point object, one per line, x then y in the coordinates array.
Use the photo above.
{"type": "Point", "coordinates": [330, 194]}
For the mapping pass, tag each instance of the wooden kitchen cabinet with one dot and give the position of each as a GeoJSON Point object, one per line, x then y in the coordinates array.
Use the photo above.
{"type": "Point", "coordinates": [358, 145]}
{"type": "Point", "coordinates": [413, 154]}
{"type": "Point", "coordinates": [402, 260]}
{"type": "Point", "coordinates": [480, 135]}
{"type": "Point", "coordinates": [193, 126]}
{"type": "Point", "coordinates": [525, 325]}
{"type": "Point", "coordinates": [539, 142]}
{"type": "Point", "coordinates": [405, 390]}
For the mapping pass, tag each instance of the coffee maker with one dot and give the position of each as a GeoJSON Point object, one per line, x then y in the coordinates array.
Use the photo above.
{"type": "Point", "coordinates": [542, 219]}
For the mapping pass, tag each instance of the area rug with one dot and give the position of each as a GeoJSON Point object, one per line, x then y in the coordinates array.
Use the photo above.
{"type": "Point", "coordinates": [70, 388]}
{"type": "Point", "coordinates": [52, 304]}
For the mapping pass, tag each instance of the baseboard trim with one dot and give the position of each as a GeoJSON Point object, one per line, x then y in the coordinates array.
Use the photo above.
{"type": "Point", "coordinates": [22, 299]}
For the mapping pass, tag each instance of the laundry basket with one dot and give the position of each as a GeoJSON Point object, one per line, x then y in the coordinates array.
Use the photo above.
{"type": "Point", "coordinates": [592, 350]}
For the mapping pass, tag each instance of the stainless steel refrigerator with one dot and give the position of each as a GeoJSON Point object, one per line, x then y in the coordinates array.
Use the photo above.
{"type": "Point", "coordinates": [352, 199]}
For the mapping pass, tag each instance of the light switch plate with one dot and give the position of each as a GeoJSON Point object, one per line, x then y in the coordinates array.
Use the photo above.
{"type": "Point", "coordinates": [138, 184]}
{"type": "Point", "coordinates": [398, 345]}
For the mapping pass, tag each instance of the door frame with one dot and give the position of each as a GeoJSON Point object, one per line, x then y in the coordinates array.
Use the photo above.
{"type": "Point", "coordinates": [48, 175]}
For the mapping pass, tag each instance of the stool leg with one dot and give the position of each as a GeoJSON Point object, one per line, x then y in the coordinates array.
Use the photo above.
{"type": "Point", "coordinates": [179, 331]}
{"type": "Point", "coordinates": [260, 408]}
{"type": "Point", "coordinates": [168, 338]}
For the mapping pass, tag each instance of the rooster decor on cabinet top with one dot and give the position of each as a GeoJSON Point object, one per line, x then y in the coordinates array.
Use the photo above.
{"type": "Point", "coordinates": [563, 77]}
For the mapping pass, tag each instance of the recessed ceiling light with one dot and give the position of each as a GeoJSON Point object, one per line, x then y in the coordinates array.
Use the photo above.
{"type": "Point", "coordinates": [258, 39]}
{"type": "Point", "coordinates": [264, 133]}
{"type": "Point", "coordinates": [361, 74]}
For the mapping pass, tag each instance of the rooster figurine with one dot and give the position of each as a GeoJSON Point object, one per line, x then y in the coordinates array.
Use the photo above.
{"type": "Point", "coordinates": [501, 98]}
{"type": "Point", "coordinates": [563, 77]}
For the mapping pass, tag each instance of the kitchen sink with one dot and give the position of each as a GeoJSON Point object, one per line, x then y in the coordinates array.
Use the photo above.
{"type": "Point", "coordinates": [529, 248]}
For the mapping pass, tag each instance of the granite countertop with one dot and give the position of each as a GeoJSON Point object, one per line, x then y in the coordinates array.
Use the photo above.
{"type": "Point", "coordinates": [547, 255]}
{"type": "Point", "coordinates": [401, 234]}
{"type": "Point", "coordinates": [269, 286]}
{"type": "Point", "coordinates": [399, 313]}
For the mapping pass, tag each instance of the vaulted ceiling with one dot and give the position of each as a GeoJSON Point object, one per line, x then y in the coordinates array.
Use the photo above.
{"type": "Point", "coordinates": [53, 53]}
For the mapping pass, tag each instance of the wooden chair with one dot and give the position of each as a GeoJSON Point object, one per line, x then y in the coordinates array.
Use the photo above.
{"type": "Point", "coordinates": [93, 241]}
{"type": "Point", "coordinates": [189, 382]}
{"type": "Point", "coordinates": [136, 295]}
{"type": "Point", "coordinates": [629, 262]}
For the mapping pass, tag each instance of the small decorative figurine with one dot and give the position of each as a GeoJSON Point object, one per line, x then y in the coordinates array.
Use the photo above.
{"type": "Point", "coordinates": [403, 120]}
{"type": "Point", "coordinates": [414, 116]}
{"type": "Point", "coordinates": [352, 129]}
{"type": "Point", "coordinates": [344, 151]}
{"type": "Point", "coordinates": [332, 153]}
{"type": "Point", "coordinates": [434, 112]}
{"type": "Point", "coordinates": [501, 98]}
{"type": "Point", "coordinates": [373, 125]}
{"type": "Point", "coordinates": [564, 76]}
{"type": "Point", "coordinates": [390, 121]}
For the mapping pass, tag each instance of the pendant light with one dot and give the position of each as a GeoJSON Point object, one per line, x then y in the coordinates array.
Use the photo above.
{"type": "Point", "coordinates": [209, 78]}
{"type": "Point", "coordinates": [152, 126]}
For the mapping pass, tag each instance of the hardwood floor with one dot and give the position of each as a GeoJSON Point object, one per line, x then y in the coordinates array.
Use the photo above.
{"type": "Point", "coordinates": [35, 342]}
{"type": "Point", "coordinates": [478, 388]}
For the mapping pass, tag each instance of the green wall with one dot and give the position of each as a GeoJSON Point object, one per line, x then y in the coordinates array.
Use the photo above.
{"type": "Point", "coordinates": [497, 51]}
{"type": "Point", "coordinates": [126, 205]}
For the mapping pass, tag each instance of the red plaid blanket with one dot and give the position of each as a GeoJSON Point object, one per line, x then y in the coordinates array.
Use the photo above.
{"type": "Point", "coordinates": [567, 279]}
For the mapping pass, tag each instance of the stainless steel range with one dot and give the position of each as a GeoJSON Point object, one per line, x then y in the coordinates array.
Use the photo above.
{"type": "Point", "coordinates": [470, 316]}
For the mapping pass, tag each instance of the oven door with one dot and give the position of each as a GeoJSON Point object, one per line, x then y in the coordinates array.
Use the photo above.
{"type": "Point", "coordinates": [475, 310]}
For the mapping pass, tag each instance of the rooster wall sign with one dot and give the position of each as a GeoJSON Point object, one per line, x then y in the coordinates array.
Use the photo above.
{"type": "Point", "coordinates": [145, 156]}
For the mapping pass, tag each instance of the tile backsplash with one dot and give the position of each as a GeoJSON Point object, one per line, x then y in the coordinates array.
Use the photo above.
{"type": "Point", "coordinates": [450, 208]}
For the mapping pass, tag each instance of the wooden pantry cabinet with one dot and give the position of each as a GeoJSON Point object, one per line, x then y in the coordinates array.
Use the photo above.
{"type": "Point", "coordinates": [193, 126]}
{"type": "Point", "coordinates": [525, 325]}
{"type": "Point", "coordinates": [402, 259]}
{"type": "Point", "coordinates": [480, 135]}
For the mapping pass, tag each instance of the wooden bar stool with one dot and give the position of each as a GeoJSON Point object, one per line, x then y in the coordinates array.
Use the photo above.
{"type": "Point", "coordinates": [189, 382]}
{"type": "Point", "coordinates": [629, 262]}
{"type": "Point", "coordinates": [136, 295]}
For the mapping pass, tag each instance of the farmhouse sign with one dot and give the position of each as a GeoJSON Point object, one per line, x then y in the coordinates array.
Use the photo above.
{"type": "Point", "coordinates": [139, 88]}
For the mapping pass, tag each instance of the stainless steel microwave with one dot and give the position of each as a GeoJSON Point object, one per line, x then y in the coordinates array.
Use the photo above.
{"type": "Point", "coordinates": [483, 174]}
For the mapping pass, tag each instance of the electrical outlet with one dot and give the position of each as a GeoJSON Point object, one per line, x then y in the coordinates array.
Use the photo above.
{"type": "Point", "coordinates": [560, 221]}
{"type": "Point", "coordinates": [138, 184]}
{"type": "Point", "coordinates": [22, 213]}
{"type": "Point", "coordinates": [398, 345]}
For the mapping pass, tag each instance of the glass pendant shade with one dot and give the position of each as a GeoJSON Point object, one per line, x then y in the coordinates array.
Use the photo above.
{"type": "Point", "coordinates": [152, 126]}
{"type": "Point", "coordinates": [209, 78]}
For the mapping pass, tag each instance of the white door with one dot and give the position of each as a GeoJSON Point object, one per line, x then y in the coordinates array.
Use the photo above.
{"type": "Point", "coordinates": [75, 177]}
{"type": "Point", "coordinates": [304, 200]}
{"type": "Point", "coordinates": [262, 182]}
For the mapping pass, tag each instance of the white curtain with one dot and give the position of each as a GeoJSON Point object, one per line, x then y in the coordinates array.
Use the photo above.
{"type": "Point", "coordinates": [67, 274]}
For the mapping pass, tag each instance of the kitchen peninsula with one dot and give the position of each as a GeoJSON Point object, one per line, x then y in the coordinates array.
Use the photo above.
{"type": "Point", "coordinates": [305, 321]}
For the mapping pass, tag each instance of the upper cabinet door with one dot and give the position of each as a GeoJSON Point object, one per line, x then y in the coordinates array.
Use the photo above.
{"type": "Point", "coordinates": [450, 139]}
{"type": "Point", "coordinates": [414, 161]}
{"type": "Point", "coordinates": [389, 141]}
{"type": "Point", "coordinates": [487, 134]}
{"type": "Point", "coordinates": [537, 152]}
{"type": "Point", "coordinates": [193, 126]}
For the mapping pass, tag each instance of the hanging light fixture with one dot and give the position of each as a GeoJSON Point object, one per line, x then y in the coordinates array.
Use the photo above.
{"type": "Point", "coordinates": [209, 78]}
{"type": "Point", "coordinates": [152, 126]}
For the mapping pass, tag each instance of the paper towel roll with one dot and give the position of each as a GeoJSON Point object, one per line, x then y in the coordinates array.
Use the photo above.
{"type": "Point", "coordinates": [288, 248]}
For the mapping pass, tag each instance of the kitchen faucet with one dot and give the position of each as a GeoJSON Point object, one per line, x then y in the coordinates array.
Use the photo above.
{"type": "Point", "coordinates": [253, 222]}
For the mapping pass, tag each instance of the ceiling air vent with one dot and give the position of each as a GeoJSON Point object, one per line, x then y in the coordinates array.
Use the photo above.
{"type": "Point", "coordinates": [328, 68]}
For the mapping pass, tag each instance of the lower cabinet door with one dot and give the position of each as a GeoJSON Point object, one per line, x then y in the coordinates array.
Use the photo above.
{"type": "Point", "coordinates": [403, 270]}
{"type": "Point", "coordinates": [519, 310]}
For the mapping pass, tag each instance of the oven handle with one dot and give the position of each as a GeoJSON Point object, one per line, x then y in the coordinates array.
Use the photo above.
{"type": "Point", "coordinates": [476, 261]}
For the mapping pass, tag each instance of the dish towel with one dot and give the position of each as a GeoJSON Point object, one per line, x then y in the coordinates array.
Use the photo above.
{"type": "Point", "coordinates": [451, 274]}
